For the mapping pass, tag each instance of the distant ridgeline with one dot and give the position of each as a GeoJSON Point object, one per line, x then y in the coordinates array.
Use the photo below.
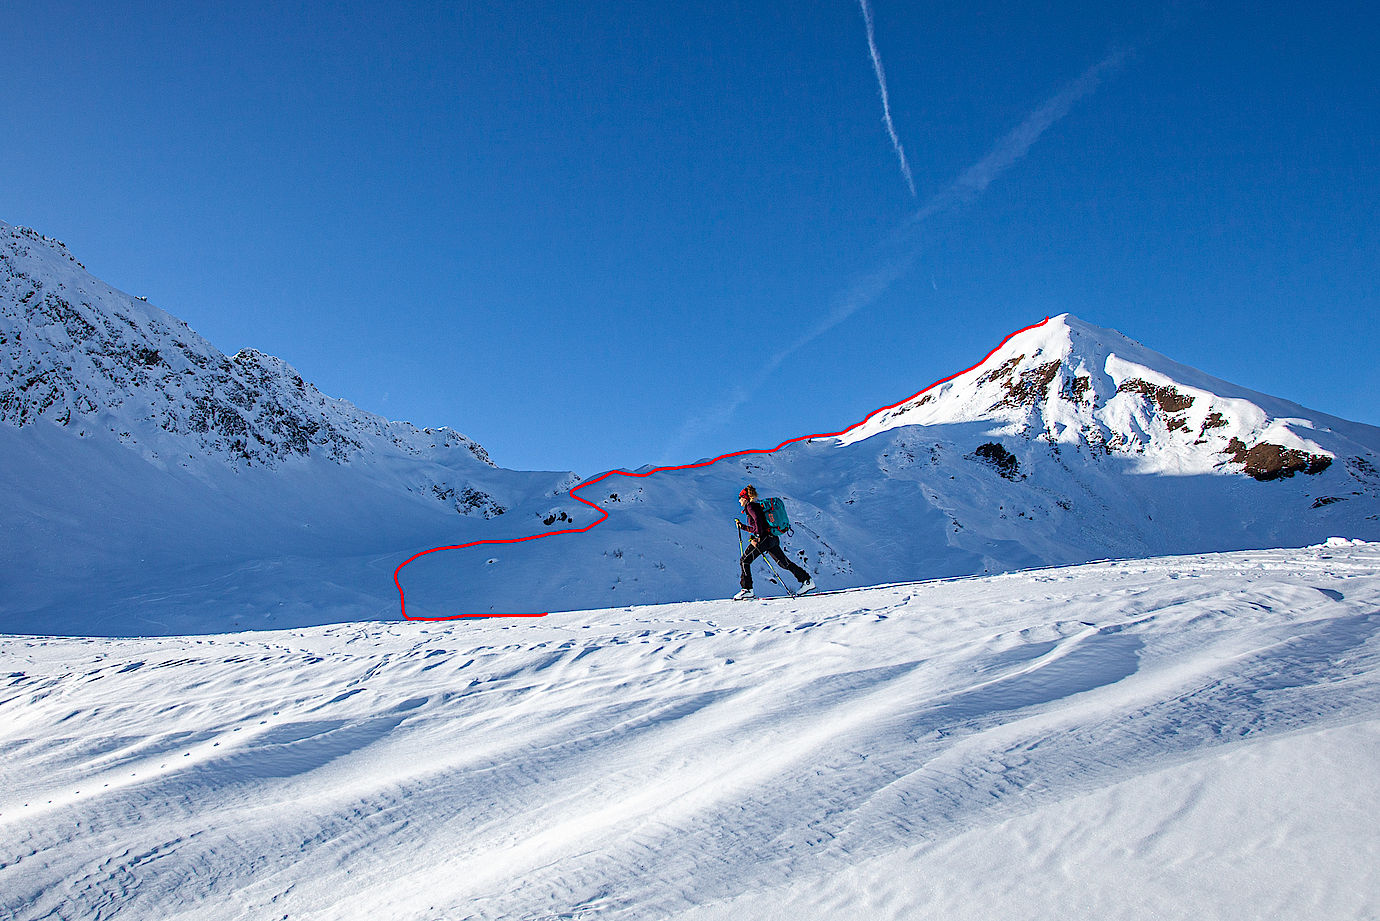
{"type": "Point", "coordinates": [149, 474]}
{"type": "Point", "coordinates": [82, 354]}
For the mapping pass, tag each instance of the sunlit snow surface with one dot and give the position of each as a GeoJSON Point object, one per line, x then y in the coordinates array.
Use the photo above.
{"type": "Point", "coordinates": [1193, 737]}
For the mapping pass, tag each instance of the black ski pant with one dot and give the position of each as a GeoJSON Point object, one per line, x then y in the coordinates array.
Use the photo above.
{"type": "Point", "coordinates": [770, 544]}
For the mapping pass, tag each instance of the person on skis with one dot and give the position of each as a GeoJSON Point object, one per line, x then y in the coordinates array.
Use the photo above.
{"type": "Point", "coordinates": [763, 541]}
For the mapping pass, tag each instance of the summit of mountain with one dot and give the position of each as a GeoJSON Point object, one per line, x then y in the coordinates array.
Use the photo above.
{"type": "Point", "coordinates": [1069, 383]}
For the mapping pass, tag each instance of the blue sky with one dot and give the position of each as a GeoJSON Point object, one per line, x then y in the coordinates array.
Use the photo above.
{"type": "Point", "coordinates": [577, 232]}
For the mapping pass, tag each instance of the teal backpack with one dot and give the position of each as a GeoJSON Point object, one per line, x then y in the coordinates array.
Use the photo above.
{"type": "Point", "coordinates": [775, 512]}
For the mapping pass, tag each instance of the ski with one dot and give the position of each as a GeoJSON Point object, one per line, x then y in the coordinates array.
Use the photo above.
{"type": "Point", "coordinates": [817, 593]}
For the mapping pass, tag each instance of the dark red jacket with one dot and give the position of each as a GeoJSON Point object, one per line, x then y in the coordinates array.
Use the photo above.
{"type": "Point", "coordinates": [757, 519]}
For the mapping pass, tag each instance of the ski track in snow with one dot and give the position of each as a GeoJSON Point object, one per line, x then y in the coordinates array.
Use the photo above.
{"type": "Point", "coordinates": [856, 755]}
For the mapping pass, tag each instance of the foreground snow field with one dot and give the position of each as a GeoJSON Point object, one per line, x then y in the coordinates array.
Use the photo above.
{"type": "Point", "coordinates": [1192, 737]}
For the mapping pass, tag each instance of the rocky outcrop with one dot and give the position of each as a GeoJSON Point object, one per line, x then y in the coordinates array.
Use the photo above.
{"type": "Point", "coordinates": [1266, 461]}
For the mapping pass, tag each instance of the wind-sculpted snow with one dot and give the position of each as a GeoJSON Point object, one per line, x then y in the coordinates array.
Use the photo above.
{"type": "Point", "coordinates": [1181, 737]}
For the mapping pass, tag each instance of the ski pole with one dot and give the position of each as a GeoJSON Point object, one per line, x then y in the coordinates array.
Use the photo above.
{"type": "Point", "coordinates": [779, 581]}
{"type": "Point", "coordinates": [775, 575]}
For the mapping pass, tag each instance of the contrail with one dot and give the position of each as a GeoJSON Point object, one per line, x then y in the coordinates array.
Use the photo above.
{"type": "Point", "coordinates": [965, 187]}
{"type": "Point", "coordinates": [1015, 145]}
{"type": "Point", "coordinates": [886, 101]}
{"type": "Point", "coordinates": [969, 184]}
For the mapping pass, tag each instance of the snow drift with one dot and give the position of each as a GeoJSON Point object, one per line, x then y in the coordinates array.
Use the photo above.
{"type": "Point", "coordinates": [1193, 738]}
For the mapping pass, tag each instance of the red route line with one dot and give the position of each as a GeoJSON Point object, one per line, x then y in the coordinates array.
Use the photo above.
{"type": "Point", "coordinates": [402, 598]}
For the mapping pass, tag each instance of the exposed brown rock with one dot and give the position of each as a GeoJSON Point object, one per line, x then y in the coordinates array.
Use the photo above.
{"type": "Point", "coordinates": [1031, 387]}
{"type": "Point", "coordinates": [1076, 387]}
{"type": "Point", "coordinates": [1005, 370]}
{"type": "Point", "coordinates": [1168, 399]}
{"type": "Point", "coordinates": [1266, 461]}
{"type": "Point", "coordinates": [1214, 420]}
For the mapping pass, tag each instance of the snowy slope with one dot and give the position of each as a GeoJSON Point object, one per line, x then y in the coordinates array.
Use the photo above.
{"type": "Point", "coordinates": [156, 486]}
{"type": "Point", "coordinates": [1192, 737]}
{"type": "Point", "coordinates": [1069, 443]}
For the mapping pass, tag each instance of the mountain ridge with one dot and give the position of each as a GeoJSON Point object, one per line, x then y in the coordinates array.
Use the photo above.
{"type": "Point", "coordinates": [1072, 383]}
{"type": "Point", "coordinates": [126, 363]}
{"type": "Point", "coordinates": [159, 485]}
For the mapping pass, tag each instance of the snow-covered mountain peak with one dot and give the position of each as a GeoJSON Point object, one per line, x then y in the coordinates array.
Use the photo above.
{"type": "Point", "coordinates": [1068, 382]}
{"type": "Point", "coordinates": [76, 352]}
{"type": "Point", "coordinates": [25, 239]}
